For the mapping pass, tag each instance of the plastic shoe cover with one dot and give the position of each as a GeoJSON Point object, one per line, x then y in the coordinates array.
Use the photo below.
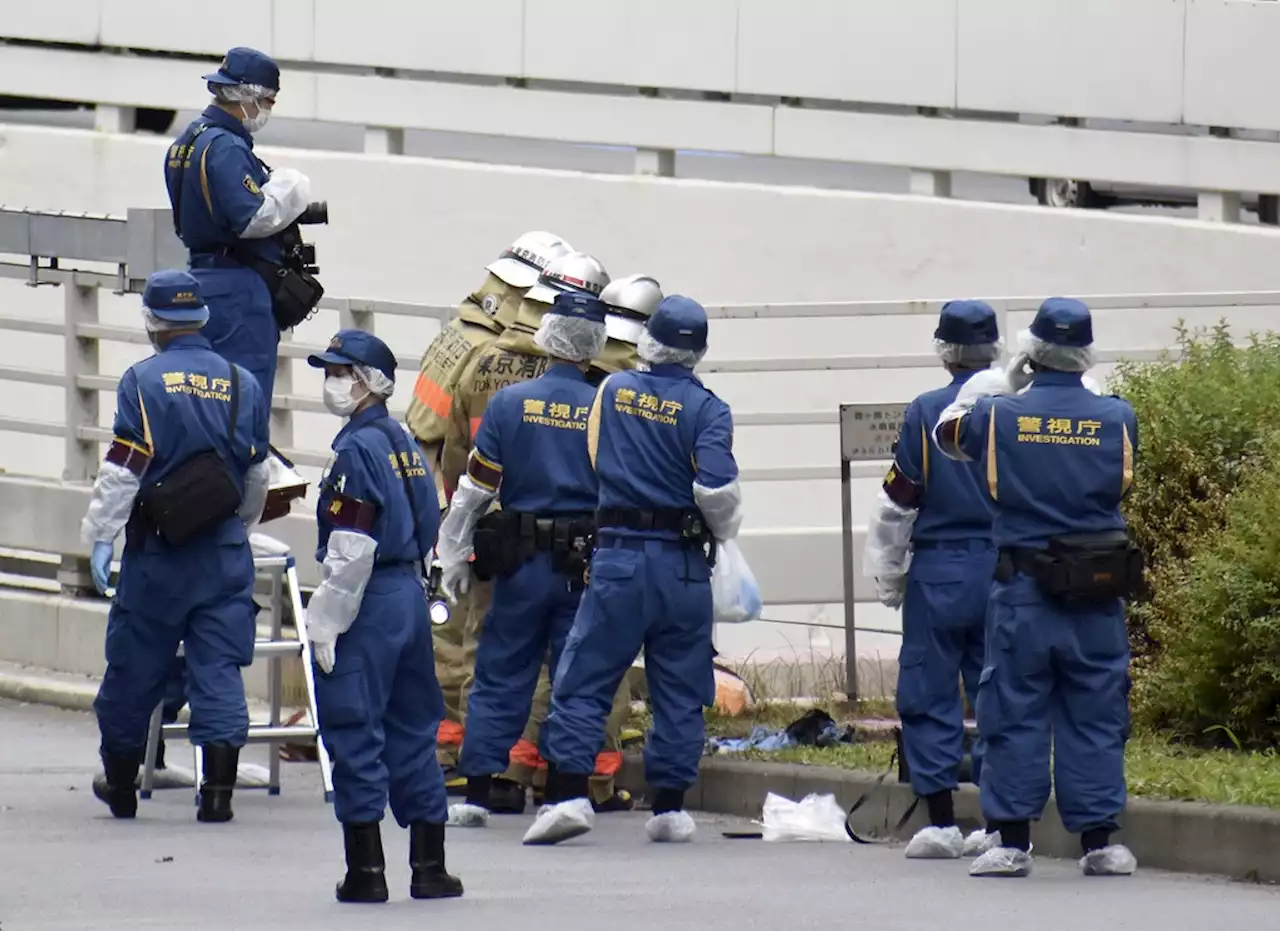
{"type": "Point", "coordinates": [467, 816]}
{"type": "Point", "coordinates": [1116, 860]}
{"type": "Point", "coordinates": [935, 843]}
{"type": "Point", "coordinates": [979, 842]}
{"type": "Point", "coordinates": [561, 822]}
{"type": "Point", "coordinates": [1002, 861]}
{"type": "Point", "coordinates": [671, 827]}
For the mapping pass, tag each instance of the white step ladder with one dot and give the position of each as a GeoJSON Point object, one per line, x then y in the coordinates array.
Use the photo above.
{"type": "Point", "coordinates": [283, 573]}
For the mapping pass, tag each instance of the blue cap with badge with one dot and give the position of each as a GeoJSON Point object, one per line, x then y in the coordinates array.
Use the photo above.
{"type": "Point", "coordinates": [1063, 321]}
{"type": "Point", "coordinates": [174, 295]}
{"type": "Point", "coordinates": [246, 66]}
{"type": "Point", "coordinates": [579, 306]}
{"type": "Point", "coordinates": [356, 347]}
{"type": "Point", "coordinates": [967, 323]}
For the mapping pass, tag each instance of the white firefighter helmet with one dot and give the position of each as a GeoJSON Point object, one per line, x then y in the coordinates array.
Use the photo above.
{"type": "Point", "coordinates": [528, 257]}
{"type": "Point", "coordinates": [632, 301]}
{"type": "Point", "coordinates": [576, 271]}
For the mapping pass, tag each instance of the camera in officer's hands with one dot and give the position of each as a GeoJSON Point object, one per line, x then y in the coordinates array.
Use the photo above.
{"type": "Point", "coordinates": [299, 255]}
{"type": "Point", "coordinates": [316, 212]}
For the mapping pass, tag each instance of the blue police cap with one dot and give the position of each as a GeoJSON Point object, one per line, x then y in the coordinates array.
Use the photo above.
{"type": "Point", "coordinates": [246, 66]}
{"type": "Point", "coordinates": [679, 322]}
{"type": "Point", "coordinates": [1063, 321]}
{"type": "Point", "coordinates": [174, 295]}
{"type": "Point", "coordinates": [967, 323]}
{"type": "Point", "coordinates": [356, 347]}
{"type": "Point", "coordinates": [580, 306]}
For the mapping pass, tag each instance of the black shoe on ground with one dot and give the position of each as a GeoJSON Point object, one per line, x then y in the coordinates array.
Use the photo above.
{"type": "Point", "coordinates": [621, 800]}
{"type": "Point", "coordinates": [116, 785]}
{"type": "Point", "coordinates": [426, 859]}
{"type": "Point", "coordinates": [221, 763]}
{"type": "Point", "coordinates": [366, 879]}
{"type": "Point", "coordinates": [506, 797]}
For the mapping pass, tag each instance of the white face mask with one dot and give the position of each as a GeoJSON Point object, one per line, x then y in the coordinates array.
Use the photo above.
{"type": "Point", "coordinates": [339, 395]}
{"type": "Point", "coordinates": [259, 121]}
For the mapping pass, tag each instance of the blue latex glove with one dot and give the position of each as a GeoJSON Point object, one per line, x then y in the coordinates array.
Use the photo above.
{"type": "Point", "coordinates": [100, 565]}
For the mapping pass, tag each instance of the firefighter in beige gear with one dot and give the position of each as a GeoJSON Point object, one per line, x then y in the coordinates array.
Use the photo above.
{"type": "Point", "coordinates": [481, 318]}
{"type": "Point", "coordinates": [513, 357]}
{"type": "Point", "coordinates": [630, 302]}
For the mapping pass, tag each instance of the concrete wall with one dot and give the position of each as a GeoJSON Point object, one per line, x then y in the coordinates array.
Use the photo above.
{"type": "Point", "coordinates": [406, 228]}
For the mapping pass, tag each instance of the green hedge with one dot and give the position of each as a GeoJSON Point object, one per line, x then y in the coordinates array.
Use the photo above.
{"type": "Point", "coordinates": [1205, 507]}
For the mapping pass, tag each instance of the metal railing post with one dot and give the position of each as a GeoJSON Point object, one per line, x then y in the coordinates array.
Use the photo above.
{"type": "Point", "coordinates": [80, 357]}
{"type": "Point", "coordinates": [281, 425]}
{"type": "Point", "coordinates": [349, 319]}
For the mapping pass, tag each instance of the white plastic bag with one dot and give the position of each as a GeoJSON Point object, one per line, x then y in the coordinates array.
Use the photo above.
{"type": "Point", "coordinates": [735, 596]}
{"type": "Point", "coordinates": [815, 818]}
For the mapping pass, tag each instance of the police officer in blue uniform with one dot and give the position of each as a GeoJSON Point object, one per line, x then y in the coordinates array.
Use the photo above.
{"type": "Point", "coordinates": [1057, 460]}
{"type": "Point", "coordinates": [933, 515]}
{"type": "Point", "coordinates": [229, 210]}
{"type": "Point", "coordinates": [531, 454]}
{"type": "Point", "coordinates": [184, 475]}
{"type": "Point", "coordinates": [376, 689]}
{"type": "Point", "coordinates": [661, 444]}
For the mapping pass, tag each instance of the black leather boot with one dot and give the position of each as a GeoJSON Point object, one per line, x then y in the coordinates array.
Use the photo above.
{"type": "Point", "coordinates": [366, 879]}
{"type": "Point", "coordinates": [220, 765]}
{"type": "Point", "coordinates": [426, 859]}
{"type": "Point", "coordinates": [115, 785]}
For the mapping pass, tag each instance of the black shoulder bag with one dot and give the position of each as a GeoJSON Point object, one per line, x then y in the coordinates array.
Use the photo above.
{"type": "Point", "coordinates": [295, 293]}
{"type": "Point", "coordinates": [198, 495]}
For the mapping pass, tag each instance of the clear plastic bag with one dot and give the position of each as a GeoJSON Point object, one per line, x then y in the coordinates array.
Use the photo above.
{"type": "Point", "coordinates": [735, 596]}
{"type": "Point", "coordinates": [814, 818]}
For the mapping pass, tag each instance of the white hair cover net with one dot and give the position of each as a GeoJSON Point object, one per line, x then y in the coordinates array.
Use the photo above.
{"type": "Point", "coordinates": [155, 325]}
{"type": "Point", "coordinates": [235, 93]}
{"type": "Point", "coordinates": [1053, 356]}
{"type": "Point", "coordinates": [969, 355]}
{"type": "Point", "coordinates": [571, 338]}
{"type": "Point", "coordinates": [374, 380]}
{"type": "Point", "coordinates": [656, 353]}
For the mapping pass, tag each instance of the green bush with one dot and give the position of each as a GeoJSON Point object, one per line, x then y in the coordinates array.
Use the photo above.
{"type": "Point", "coordinates": [1205, 507]}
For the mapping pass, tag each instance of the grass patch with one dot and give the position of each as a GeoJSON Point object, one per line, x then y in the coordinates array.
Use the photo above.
{"type": "Point", "coordinates": [1157, 767]}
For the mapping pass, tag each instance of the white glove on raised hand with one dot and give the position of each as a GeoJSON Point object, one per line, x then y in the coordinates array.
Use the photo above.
{"type": "Point", "coordinates": [324, 654]}
{"type": "Point", "coordinates": [1019, 373]}
{"type": "Point", "coordinates": [891, 591]}
{"type": "Point", "coordinates": [455, 580]}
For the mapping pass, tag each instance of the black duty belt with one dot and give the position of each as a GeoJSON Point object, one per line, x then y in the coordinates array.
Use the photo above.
{"type": "Point", "coordinates": [667, 520]}
{"type": "Point", "coordinates": [544, 530]}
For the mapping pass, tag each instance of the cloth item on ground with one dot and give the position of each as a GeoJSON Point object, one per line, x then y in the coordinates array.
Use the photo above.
{"type": "Point", "coordinates": [813, 818]}
{"type": "Point", "coordinates": [815, 728]}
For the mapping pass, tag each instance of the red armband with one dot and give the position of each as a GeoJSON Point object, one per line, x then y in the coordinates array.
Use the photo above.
{"type": "Point", "coordinates": [901, 490]}
{"type": "Point", "coordinates": [351, 513]}
{"type": "Point", "coordinates": [486, 474]}
{"type": "Point", "coordinates": [128, 455]}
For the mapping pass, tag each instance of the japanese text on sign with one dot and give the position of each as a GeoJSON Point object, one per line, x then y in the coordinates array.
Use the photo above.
{"type": "Point", "coordinates": [868, 432]}
{"type": "Point", "coordinates": [1059, 431]}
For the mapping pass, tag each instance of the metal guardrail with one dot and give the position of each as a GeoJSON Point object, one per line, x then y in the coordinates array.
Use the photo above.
{"type": "Point", "coordinates": [795, 565]}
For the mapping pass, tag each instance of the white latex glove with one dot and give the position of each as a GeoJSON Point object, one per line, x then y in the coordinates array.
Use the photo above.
{"type": "Point", "coordinates": [1018, 373]}
{"type": "Point", "coordinates": [891, 591]}
{"type": "Point", "coordinates": [455, 580]}
{"type": "Point", "coordinates": [323, 652]}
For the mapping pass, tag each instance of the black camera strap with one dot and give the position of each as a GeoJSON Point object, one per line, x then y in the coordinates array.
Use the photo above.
{"type": "Point", "coordinates": [176, 192]}
{"type": "Point", "coordinates": [389, 432]}
{"type": "Point", "coordinates": [235, 409]}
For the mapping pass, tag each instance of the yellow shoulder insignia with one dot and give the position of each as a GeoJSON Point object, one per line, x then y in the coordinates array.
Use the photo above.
{"type": "Point", "coordinates": [251, 186]}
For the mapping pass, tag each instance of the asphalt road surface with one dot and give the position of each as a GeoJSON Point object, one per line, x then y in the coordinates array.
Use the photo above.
{"type": "Point", "coordinates": [64, 863]}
